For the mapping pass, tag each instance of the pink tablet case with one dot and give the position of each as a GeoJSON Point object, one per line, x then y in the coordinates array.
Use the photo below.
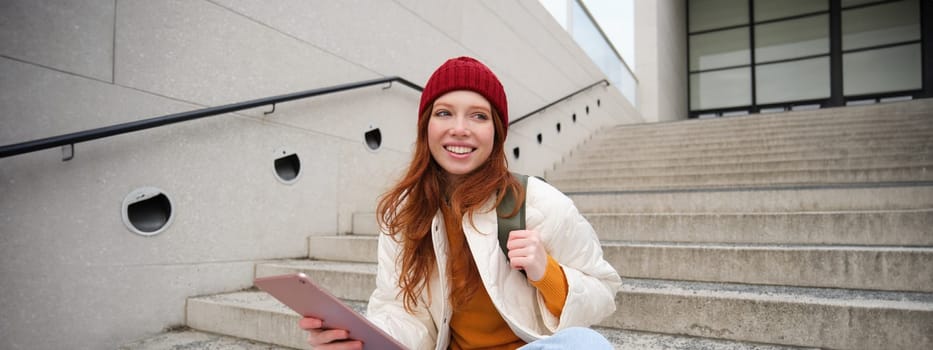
{"type": "Point", "coordinates": [302, 295]}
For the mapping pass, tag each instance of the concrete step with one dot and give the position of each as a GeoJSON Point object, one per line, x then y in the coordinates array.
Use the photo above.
{"type": "Point", "coordinates": [189, 339]}
{"type": "Point", "coordinates": [893, 110]}
{"type": "Point", "coordinates": [813, 317]}
{"type": "Point", "coordinates": [253, 315]}
{"type": "Point", "coordinates": [743, 256]}
{"type": "Point", "coordinates": [345, 280]}
{"type": "Point", "coordinates": [880, 114]}
{"type": "Point", "coordinates": [355, 248]}
{"type": "Point", "coordinates": [636, 134]}
{"type": "Point", "coordinates": [910, 227]}
{"type": "Point", "coordinates": [808, 265]}
{"type": "Point", "coordinates": [256, 315]}
{"type": "Point", "coordinates": [838, 156]}
{"type": "Point", "coordinates": [816, 317]}
{"type": "Point", "coordinates": [633, 340]}
{"type": "Point", "coordinates": [913, 227]}
{"type": "Point", "coordinates": [768, 122]}
{"type": "Point", "coordinates": [852, 147]}
{"type": "Point", "coordinates": [913, 160]}
{"type": "Point", "coordinates": [847, 149]}
{"type": "Point", "coordinates": [741, 156]}
{"type": "Point", "coordinates": [765, 199]}
{"type": "Point", "coordinates": [835, 266]}
{"type": "Point", "coordinates": [757, 137]}
{"type": "Point", "coordinates": [901, 227]}
{"type": "Point", "coordinates": [747, 179]}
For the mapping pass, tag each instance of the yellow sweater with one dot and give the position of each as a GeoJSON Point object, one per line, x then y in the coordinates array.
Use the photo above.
{"type": "Point", "coordinates": [478, 324]}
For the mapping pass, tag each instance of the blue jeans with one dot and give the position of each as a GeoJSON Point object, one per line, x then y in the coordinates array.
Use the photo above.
{"type": "Point", "coordinates": [571, 338]}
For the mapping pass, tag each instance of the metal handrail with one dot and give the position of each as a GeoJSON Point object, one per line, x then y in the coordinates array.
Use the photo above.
{"type": "Point", "coordinates": [117, 129]}
{"type": "Point", "coordinates": [604, 81]}
{"type": "Point", "coordinates": [123, 128]}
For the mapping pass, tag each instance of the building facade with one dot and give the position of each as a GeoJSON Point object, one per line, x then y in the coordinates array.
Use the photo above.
{"type": "Point", "coordinates": [751, 56]}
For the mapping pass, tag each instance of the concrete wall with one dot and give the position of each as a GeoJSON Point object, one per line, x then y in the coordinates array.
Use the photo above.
{"type": "Point", "coordinates": [661, 59]}
{"type": "Point", "coordinates": [75, 277]}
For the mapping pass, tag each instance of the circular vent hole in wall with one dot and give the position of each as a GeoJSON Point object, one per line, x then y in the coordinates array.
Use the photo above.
{"type": "Point", "coordinates": [540, 138]}
{"type": "Point", "coordinates": [587, 109]}
{"type": "Point", "coordinates": [147, 211]}
{"type": "Point", "coordinates": [287, 166]}
{"type": "Point", "coordinates": [574, 118]}
{"type": "Point", "coordinates": [598, 103]}
{"type": "Point", "coordinates": [373, 139]}
{"type": "Point", "coordinates": [558, 128]}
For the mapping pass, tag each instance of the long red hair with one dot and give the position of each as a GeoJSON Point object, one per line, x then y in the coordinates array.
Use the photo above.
{"type": "Point", "coordinates": [408, 208]}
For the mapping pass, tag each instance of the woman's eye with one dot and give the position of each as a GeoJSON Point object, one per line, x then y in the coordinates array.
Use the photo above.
{"type": "Point", "coordinates": [442, 113]}
{"type": "Point", "coordinates": [480, 116]}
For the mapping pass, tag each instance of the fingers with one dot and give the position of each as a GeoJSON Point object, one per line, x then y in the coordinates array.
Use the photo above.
{"type": "Point", "coordinates": [327, 339]}
{"type": "Point", "coordinates": [332, 339]}
{"type": "Point", "coordinates": [524, 243]}
{"type": "Point", "coordinates": [519, 261]}
{"type": "Point", "coordinates": [534, 267]}
{"type": "Point", "coordinates": [340, 345]}
{"type": "Point", "coordinates": [522, 238]}
{"type": "Point", "coordinates": [328, 336]}
{"type": "Point", "coordinates": [309, 323]}
{"type": "Point", "coordinates": [527, 252]}
{"type": "Point", "coordinates": [530, 252]}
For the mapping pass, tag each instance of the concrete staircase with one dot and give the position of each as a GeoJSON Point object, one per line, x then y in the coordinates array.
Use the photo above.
{"type": "Point", "coordinates": [803, 229]}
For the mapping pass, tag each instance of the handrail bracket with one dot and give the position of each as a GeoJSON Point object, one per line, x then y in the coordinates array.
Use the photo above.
{"type": "Point", "coordinates": [270, 112]}
{"type": "Point", "coordinates": [68, 152]}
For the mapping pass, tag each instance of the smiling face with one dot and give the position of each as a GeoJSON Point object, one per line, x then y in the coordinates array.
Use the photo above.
{"type": "Point", "coordinates": [460, 132]}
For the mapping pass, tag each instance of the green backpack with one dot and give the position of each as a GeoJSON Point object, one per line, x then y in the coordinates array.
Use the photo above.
{"type": "Point", "coordinates": [516, 222]}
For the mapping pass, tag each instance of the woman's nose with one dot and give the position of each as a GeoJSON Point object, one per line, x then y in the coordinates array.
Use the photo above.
{"type": "Point", "coordinates": [459, 126]}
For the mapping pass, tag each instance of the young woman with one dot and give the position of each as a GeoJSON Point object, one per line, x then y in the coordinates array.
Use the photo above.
{"type": "Point", "coordinates": [443, 281]}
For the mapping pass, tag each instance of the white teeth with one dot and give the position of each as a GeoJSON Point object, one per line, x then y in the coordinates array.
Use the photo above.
{"type": "Point", "coordinates": [459, 149]}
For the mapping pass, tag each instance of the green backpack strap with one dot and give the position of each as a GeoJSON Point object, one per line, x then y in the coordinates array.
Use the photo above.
{"type": "Point", "coordinates": [516, 222]}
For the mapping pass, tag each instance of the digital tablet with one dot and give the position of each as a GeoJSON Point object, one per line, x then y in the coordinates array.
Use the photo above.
{"type": "Point", "coordinates": [298, 292]}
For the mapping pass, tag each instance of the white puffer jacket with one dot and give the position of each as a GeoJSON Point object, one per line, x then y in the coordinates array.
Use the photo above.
{"type": "Point", "coordinates": [566, 235]}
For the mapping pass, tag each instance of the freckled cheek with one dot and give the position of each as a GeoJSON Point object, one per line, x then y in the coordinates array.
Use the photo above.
{"type": "Point", "coordinates": [435, 149]}
{"type": "Point", "coordinates": [488, 137]}
{"type": "Point", "coordinates": [434, 137]}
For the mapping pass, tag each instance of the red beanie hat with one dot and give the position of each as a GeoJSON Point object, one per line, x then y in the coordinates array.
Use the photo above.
{"type": "Point", "coordinates": [466, 73]}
